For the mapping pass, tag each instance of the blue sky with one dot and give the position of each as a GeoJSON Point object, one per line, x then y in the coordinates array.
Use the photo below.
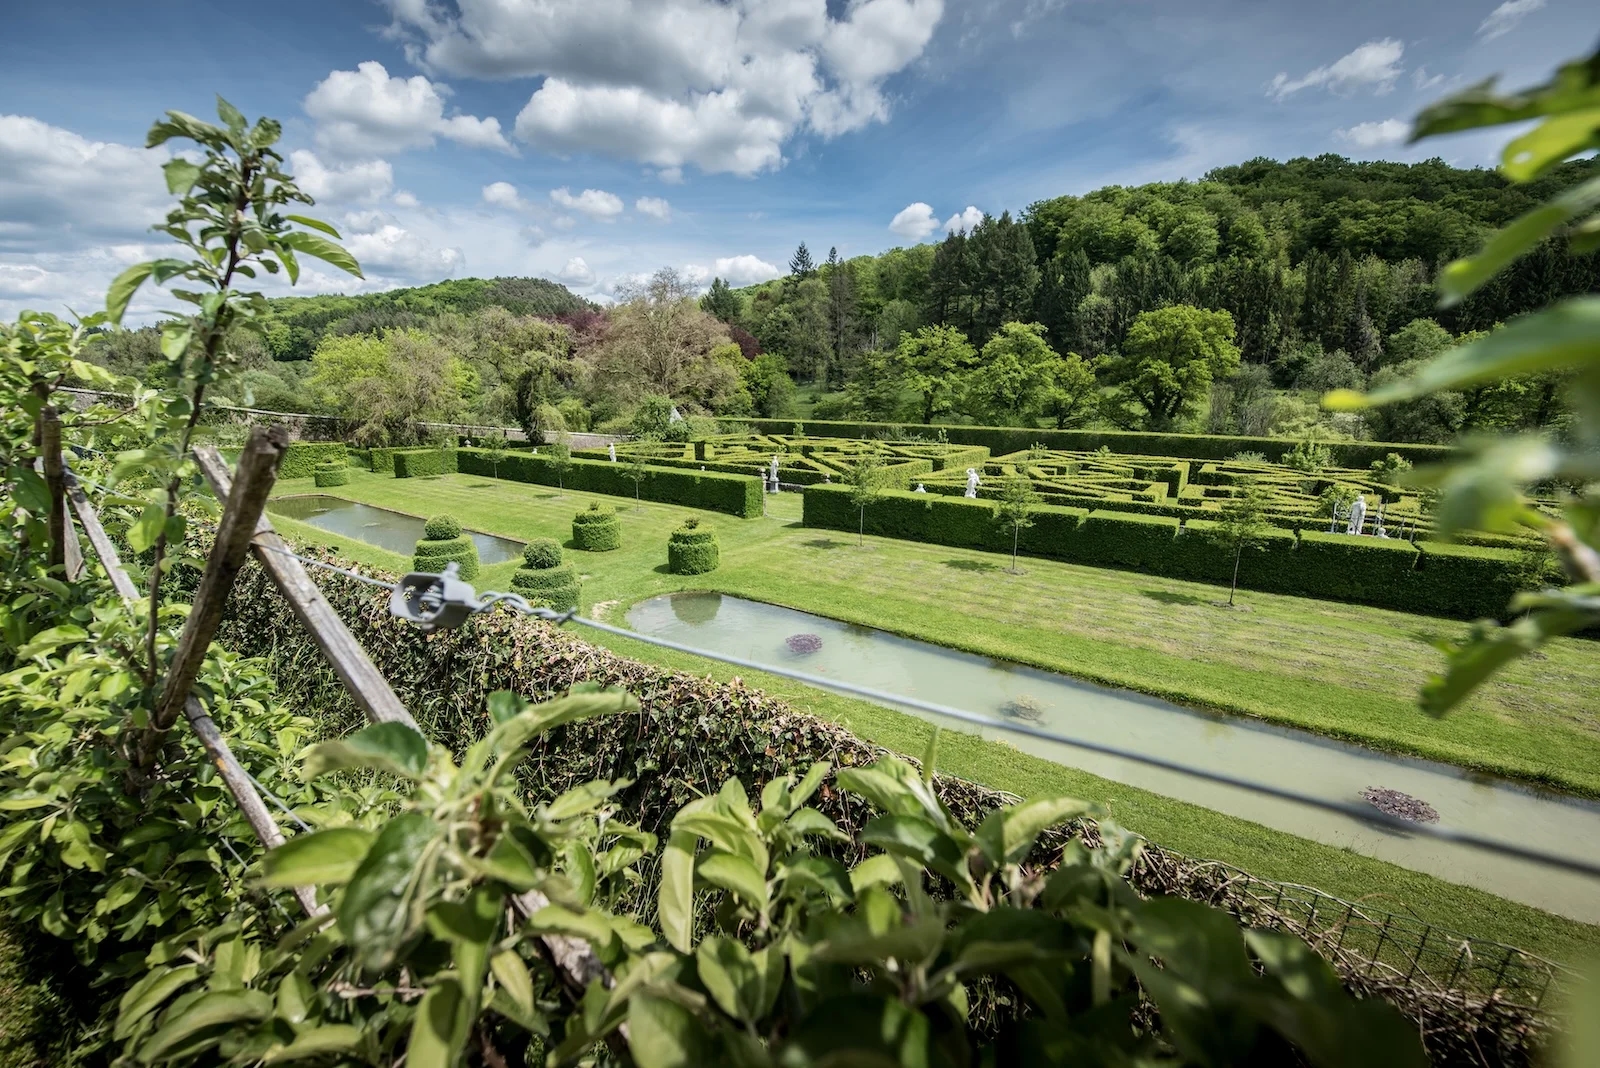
{"type": "Point", "coordinates": [593, 140]}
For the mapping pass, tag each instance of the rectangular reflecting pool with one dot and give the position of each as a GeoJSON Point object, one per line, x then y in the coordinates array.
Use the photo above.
{"type": "Point", "coordinates": [395, 531]}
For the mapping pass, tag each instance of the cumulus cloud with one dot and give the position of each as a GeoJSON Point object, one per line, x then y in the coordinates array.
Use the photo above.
{"type": "Point", "coordinates": [595, 203]}
{"type": "Point", "coordinates": [1422, 80]}
{"type": "Point", "coordinates": [672, 83]}
{"type": "Point", "coordinates": [964, 220]}
{"type": "Point", "coordinates": [1503, 19]}
{"type": "Point", "coordinates": [914, 221]}
{"type": "Point", "coordinates": [404, 199]}
{"type": "Point", "coordinates": [366, 112]}
{"type": "Point", "coordinates": [1374, 65]}
{"type": "Point", "coordinates": [380, 243]}
{"type": "Point", "coordinates": [576, 272]}
{"type": "Point", "coordinates": [1375, 134]}
{"type": "Point", "coordinates": [655, 207]}
{"type": "Point", "coordinates": [745, 270]}
{"type": "Point", "coordinates": [60, 191]}
{"type": "Point", "coordinates": [503, 195]}
{"type": "Point", "coordinates": [367, 180]}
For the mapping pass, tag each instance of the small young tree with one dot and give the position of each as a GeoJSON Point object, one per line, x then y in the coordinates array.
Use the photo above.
{"type": "Point", "coordinates": [636, 471]}
{"type": "Point", "coordinates": [866, 486]}
{"type": "Point", "coordinates": [494, 450]}
{"type": "Point", "coordinates": [561, 461]}
{"type": "Point", "coordinates": [1242, 524]}
{"type": "Point", "coordinates": [1016, 505]}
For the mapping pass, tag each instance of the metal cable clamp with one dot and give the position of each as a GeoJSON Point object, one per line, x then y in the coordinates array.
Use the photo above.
{"type": "Point", "coordinates": [434, 602]}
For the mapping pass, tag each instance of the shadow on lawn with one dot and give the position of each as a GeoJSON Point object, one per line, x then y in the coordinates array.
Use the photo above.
{"type": "Point", "coordinates": [972, 565]}
{"type": "Point", "coordinates": [825, 543]}
{"type": "Point", "coordinates": [1169, 597]}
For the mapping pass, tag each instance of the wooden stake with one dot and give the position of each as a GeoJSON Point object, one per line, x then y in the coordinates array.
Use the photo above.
{"type": "Point", "coordinates": [367, 686]}
{"type": "Point", "coordinates": [50, 452]}
{"type": "Point", "coordinates": [258, 469]}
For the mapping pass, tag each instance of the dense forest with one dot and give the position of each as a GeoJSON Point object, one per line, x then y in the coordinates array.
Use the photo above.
{"type": "Point", "coordinates": [1225, 305]}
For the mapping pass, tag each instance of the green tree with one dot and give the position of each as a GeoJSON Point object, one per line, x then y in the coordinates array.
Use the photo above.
{"type": "Point", "coordinates": [865, 479]}
{"type": "Point", "coordinates": [1170, 358]}
{"type": "Point", "coordinates": [800, 265]}
{"type": "Point", "coordinates": [1015, 506]}
{"type": "Point", "coordinates": [766, 379]}
{"type": "Point", "coordinates": [560, 455]}
{"type": "Point", "coordinates": [494, 450]}
{"type": "Point", "coordinates": [1240, 525]}
{"type": "Point", "coordinates": [720, 300]}
{"type": "Point", "coordinates": [636, 470]}
{"type": "Point", "coordinates": [1420, 339]}
{"type": "Point", "coordinates": [1074, 397]}
{"type": "Point", "coordinates": [935, 358]}
{"type": "Point", "coordinates": [653, 417]}
{"type": "Point", "coordinates": [1015, 381]}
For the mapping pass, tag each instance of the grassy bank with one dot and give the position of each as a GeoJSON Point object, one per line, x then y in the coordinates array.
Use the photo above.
{"type": "Point", "coordinates": [1158, 635]}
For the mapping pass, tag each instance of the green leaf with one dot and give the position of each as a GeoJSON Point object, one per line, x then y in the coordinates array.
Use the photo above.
{"type": "Point", "coordinates": [742, 984]}
{"type": "Point", "coordinates": [318, 1043]}
{"type": "Point", "coordinates": [440, 1028]}
{"type": "Point", "coordinates": [1007, 834]}
{"type": "Point", "coordinates": [821, 873]}
{"type": "Point", "coordinates": [123, 287]}
{"type": "Point", "coordinates": [1567, 334]}
{"type": "Point", "coordinates": [321, 248]}
{"type": "Point", "coordinates": [505, 706]}
{"type": "Point", "coordinates": [534, 720]}
{"type": "Point", "coordinates": [315, 224]}
{"type": "Point", "coordinates": [675, 897]}
{"type": "Point", "coordinates": [149, 994]}
{"type": "Point", "coordinates": [512, 975]}
{"type": "Point", "coordinates": [736, 875]}
{"type": "Point", "coordinates": [1491, 647]}
{"type": "Point", "coordinates": [663, 1034]}
{"type": "Point", "coordinates": [930, 757]}
{"type": "Point", "coordinates": [147, 528]}
{"type": "Point", "coordinates": [808, 785]}
{"type": "Point", "coordinates": [809, 821]}
{"type": "Point", "coordinates": [175, 339]}
{"type": "Point", "coordinates": [46, 641]}
{"type": "Point", "coordinates": [229, 1008]}
{"type": "Point", "coordinates": [1558, 138]}
{"type": "Point", "coordinates": [181, 175]}
{"type": "Point", "coordinates": [393, 747]}
{"type": "Point", "coordinates": [880, 870]}
{"type": "Point", "coordinates": [377, 911]}
{"type": "Point", "coordinates": [321, 858]}
{"type": "Point", "coordinates": [1465, 276]}
{"type": "Point", "coordinates": [1575, 87]}
{"type": "Point", "coordinates": [231, 117]}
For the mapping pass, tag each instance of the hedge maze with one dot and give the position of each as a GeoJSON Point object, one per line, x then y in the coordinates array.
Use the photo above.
{"type": "Point", "coordinates": [802, 461]}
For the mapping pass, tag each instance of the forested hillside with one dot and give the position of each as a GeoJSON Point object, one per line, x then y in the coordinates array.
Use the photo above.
{"type": "Point", "coordinates": [1324, 266]}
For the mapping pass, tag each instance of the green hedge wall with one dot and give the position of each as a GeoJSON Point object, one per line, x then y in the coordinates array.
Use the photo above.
{"type": "Point", "coordinates": [734, 494]}
{"type": "Point", "coordinates": [301, 458]}
{"type": "Point", "coordinates": [1002, 440]}
{"type": "Point", "coordinates": [1447, 580]}
{"type": "Point", "coordinates": [432, 555]}
{"type": "Point", "coordinates": [597, 531]}
{"type": "Point", "coordinates": [692, 551]}
{"type": "Point", "coordinates": [420, 463]}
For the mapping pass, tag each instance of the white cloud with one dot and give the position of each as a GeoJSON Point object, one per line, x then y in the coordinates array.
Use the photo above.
{"type": "Point", "coordinates": [20, 280]}
{"type": "Point", "coordinates": [61, 191]}
{"type": "Point", "coordinates": [1421, 80]}
{"type": "Point", "coordinates": [384, 245]}
{"type": "Point", "coordinates": [595, 203]}
{"type": "Point", "coordinates": [1503, 19]}
{"type": "Point", "coordinates": [744, 270]}
{"type": "Point", "coordinates": [365, 112]}
{"type": "Point", "coordinates": [367, 180]}
{"type": "Point", "coordinates": [672, 83]}
{"type": "Point", "coordinates": [695, 274]}
{"type": "Point", "coordinates": [1374, 65]}
{"type": "Point", "coordinates": [503, 195]}
{"type": "Point", "coordinates": [964, 220]}
{"type": "Point", "coordinates": [914, 221]}
{"type": "Point", "coordinates": [1375, 134]}
{"type": "Point", "coordinates": [404, 199]}
{"type": "Point", "coordinates": [576, 272]}
{"type": "Point", "coordinates": [655, 207]}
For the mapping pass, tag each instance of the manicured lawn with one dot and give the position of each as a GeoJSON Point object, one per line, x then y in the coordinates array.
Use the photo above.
{"type": "Point", "coordinates": [1343, 670]}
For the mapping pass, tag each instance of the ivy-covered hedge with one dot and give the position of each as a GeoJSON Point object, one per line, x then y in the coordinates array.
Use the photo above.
{"type": "Point", "coordinates": [1002, 440]}
{"type": "Point", "coordinates": [420, 463]}
{"type": "Point", "coordinates": [1463, 581]}
{"type": "Point", "coordinates": [301, 458]}
{"type": "Point", "coordinates": [738, 495]}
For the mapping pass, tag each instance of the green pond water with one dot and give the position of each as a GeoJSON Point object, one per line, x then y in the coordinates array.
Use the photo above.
{"type": "Point", "coordinates": [395, 531]}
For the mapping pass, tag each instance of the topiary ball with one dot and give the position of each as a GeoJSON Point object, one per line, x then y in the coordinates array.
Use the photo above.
{"type": "Point", "coordinates": [442, 527]}
{"type": "Point", "coordinates": [541, 553]}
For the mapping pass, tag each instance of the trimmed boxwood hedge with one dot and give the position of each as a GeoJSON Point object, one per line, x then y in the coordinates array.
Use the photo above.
{"type": "Point", "coordinates": [596, 530]}
{"type": "Point", "coordinates": [1002, 440]}
{"type": "Point", "coordinates": [543, 579]}
{"type": "Point", "coordinates": [419, 463]}
{"type": "Point", "coordinates": [440, 547]}
{"type": "Point", "coordinates": [692, 551]}
{"type": "Point", "coordinates": [331, 474]}
{"type": "Point", "coordinates": [738, 495]}
{"type": "Point", "coordinates": [1466, 580]}
{"type": "Point", "coordinates": [301, 458]}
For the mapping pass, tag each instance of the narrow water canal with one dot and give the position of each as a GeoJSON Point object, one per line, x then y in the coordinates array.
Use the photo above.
{"type": "Point", "coordinates": [395, 531]}
{"type": "Point", "coordinates": [1287, 758]}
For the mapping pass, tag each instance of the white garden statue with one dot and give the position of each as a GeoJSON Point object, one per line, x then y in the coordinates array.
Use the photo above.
{"type": "Point", "coordinates": [774, 474]}
{"type": "Point", "coordinates": [972, 482]}
{"type": "Point", "coordinates": [612, 449]}
{"type": "Point", "coordinates": [920, 488]}
{"type": "Point", "coordinates": [1358, 515]}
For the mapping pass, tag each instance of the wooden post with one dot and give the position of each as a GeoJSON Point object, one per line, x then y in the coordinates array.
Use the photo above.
{"type": "Point", "coordinates": [50, 453]}
{"type": "Point", "coordinates": [258, 469]}
{"type": "Point", "coordinates": [216, 746]}
{"type": "Point", "coordinates": [367, 686]}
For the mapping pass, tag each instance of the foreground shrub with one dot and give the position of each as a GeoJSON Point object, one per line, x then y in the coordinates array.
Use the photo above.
{"type": "Point", "coordinates": [543, 579]}
{"type": "Point", "coordinates": [692, 550]}
{"type": "Point", "coordinates": [597, 531]}
{"type": "Point", "coordinates": [331, 474]}
{"type": "Point", "coordinates": [443, 543]}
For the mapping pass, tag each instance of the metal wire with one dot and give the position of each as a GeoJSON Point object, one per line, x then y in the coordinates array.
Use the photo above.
{"type": "Point", "coordinates": [491, 600]}
{"type": "Point", "coordinates": [345, 571]}
{"type": "Point", "coordinates": [270, 796]}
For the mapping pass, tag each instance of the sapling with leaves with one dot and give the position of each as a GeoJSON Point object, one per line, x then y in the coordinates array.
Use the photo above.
{"type": "Point", "coordinates": [1241, 525]}
{"type": "Point", "coordinates": [1486, 489]}
{"type": "Point", "coordinates": [560, 455]}
{"type": "Point", "coordinates": [636, 470]}
{"type": "Point", "coordinates": [1015, 507]}
{"type": "Point", "coordinates": [232, 219]}
{"type": "Point", "coordinates": [865, 479]}
{"type": "Point", "coordinates": [494, 450]}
